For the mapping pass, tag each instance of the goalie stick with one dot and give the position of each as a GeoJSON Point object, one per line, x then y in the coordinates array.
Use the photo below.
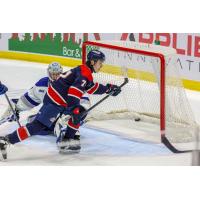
{"type": "Point", "coordinates": [8, 100]}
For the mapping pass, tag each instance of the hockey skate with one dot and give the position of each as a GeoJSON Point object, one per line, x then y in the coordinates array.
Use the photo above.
{"type": "Point", "coordinates": [69, 145]}
{"type": "Point", "coordinates": [3, 146]}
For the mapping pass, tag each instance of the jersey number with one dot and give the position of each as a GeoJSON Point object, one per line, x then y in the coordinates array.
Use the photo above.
{"type": "Point", "coordinates": [83, 83]}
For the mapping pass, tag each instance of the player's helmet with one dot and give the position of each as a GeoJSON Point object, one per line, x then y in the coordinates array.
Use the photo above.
{"type": "Point", "coordinates": [96, 55]}
{"type": "Point", "coordinates": [54, 70]}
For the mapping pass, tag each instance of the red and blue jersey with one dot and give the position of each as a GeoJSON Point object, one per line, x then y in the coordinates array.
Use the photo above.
{"type": "Point", "coordinates": [69, 88]}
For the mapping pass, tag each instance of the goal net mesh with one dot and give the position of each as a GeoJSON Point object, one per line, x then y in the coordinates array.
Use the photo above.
{"type": "Point", "coordinates": [141, 96]}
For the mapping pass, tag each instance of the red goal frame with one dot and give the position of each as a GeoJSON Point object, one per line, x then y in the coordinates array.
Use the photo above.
{"type": "Point", "coordinates": [140, 52]}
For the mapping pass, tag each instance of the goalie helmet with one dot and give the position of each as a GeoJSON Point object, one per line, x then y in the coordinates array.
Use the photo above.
{"type": "Point", "coordinates": [54, 70]}
{"type": "Point", "coordinates": [96, 55]}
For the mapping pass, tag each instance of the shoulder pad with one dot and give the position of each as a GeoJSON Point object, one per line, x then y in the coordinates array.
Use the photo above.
{"type": "Point", "coordinates": [43, 82]}
{"type": "Point", "coordinates": [86, 72]}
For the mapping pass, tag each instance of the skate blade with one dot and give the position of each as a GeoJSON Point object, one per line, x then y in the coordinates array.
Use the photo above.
{"type": "Point", "coordinates": [68, 151]}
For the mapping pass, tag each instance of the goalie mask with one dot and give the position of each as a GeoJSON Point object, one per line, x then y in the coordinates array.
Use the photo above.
{"type": "Point", "coordinates": [54, 70]}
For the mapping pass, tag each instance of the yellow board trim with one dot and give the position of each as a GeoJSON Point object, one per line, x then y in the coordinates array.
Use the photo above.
{"type": "Point", "coordinates": [192, 85]}
{"type": "Point", "coordinates": [41, 58]}
{"type": "Point", "coordinates": [72, 62]}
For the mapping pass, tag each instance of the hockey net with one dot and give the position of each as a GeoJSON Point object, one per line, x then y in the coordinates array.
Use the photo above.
{"type": "Point", "coordinates": [155, 92]}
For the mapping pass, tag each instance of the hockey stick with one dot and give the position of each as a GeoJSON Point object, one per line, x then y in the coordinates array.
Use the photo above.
{"type": "Point", "coordinates": [8, 100]}
{"type": "Point", "coordinates": [103, 99]}
{"type": "Point", "coordinates": [96, 104]}
{"type": "Point", "coordinates": [168, 144]}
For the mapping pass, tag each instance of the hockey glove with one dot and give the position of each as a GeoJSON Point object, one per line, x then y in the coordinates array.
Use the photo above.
{"type": "Point", "coordinates": [76, 116]}
{"type": "Point", "coordinates": [14, 117]}
{"type": "Point", "coordinates": [3, 89]}
{"type": "Point", "coordinates": [113, 90]}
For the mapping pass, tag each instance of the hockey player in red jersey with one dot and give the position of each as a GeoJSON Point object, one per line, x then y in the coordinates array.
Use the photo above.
{"type": "Point", "coordinates": [63, 97]}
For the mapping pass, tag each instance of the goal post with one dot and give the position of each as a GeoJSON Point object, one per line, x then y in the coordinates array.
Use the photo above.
{"type": "Point", "coordinates": [158, 77]}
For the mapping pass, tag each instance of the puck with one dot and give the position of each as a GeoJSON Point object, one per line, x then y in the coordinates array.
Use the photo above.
{"type": "Point", "coordinates": [137, 119]}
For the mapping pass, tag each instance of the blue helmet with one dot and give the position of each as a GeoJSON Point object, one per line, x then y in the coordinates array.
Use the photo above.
{"type": "Point", "coordinates": [96, 55]}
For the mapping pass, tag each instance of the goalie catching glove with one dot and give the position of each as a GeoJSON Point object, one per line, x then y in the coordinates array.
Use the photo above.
{"type": "Point", "coordinates": [3, 89]}
{"type": "Point", "coordinates": [113, 90]}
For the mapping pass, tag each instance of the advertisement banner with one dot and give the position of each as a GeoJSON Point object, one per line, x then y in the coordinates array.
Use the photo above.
{"type": "Point", "coordinates": [69, 45]}
{"type": "Point", "coordinates": [65, 44]}
{"type": "Point", "coordinates": [187, 46]}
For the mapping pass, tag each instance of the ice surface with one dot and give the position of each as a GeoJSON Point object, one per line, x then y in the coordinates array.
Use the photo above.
{"type": "Point", "coordinates": [99, 147]}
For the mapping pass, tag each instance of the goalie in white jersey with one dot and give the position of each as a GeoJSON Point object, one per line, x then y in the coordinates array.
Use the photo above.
{"type": "Point", "coordinates": [35, 95]}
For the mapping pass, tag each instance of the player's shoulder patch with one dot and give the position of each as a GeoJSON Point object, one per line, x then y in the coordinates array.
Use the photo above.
{"type": "Point", "coordinates": [43, 82]}
{"type": "Point", "coordinates": [86, 72]}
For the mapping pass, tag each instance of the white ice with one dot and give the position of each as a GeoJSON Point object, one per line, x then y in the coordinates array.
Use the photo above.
{"type": "Point", "coordinates": [99, 147]}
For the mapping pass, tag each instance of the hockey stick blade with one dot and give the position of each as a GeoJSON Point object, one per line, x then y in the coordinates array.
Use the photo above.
{"type": "Point", "coordinates": [167, 143]}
